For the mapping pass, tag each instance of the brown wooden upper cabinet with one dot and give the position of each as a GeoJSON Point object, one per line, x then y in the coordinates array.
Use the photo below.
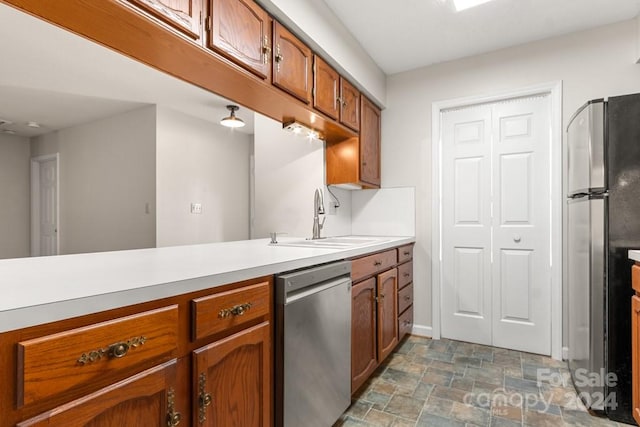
{"type": "Point", "coordinates": [182, 15]}
{"type": "Point", "coordinates": [370, 142]}
{"type": "Point", "coordinates": [326, 84]}
{"type": "Point", "coordinates": [349, 105]}
{"type": "Point", "coordinates": [334, 95]}
{"type": "Point", "coordinates": [356, 161]}
{"type": "Point", "coordinates": [240, 30]}
{"type": "Point", "coordinates": [292, 64]}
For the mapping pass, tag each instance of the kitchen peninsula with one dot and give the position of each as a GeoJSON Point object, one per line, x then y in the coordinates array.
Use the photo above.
{"type": "Point", "coordinates": [120, 334]}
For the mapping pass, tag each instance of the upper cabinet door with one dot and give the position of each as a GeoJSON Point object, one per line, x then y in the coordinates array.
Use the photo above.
{"type": "Point", "coordinates": [183, 15]}
{"type": "Point", "coordinates": [325, 87]}
{"type": "Point", "coordinates": [241, 31]}
{"type": "Point", "coordinates": [292, 64]}
{"type": "Point", "coordinates": [369, 142]}
{"type": "Point", "coordinates": [349, 105]}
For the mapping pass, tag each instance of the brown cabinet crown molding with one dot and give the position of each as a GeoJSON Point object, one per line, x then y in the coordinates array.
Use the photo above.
{"type": "Point", "coordinates": [118, 26]}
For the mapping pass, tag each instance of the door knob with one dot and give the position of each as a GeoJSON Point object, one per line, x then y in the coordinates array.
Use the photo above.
{"type": "Point", "coordinates": [517, 238]}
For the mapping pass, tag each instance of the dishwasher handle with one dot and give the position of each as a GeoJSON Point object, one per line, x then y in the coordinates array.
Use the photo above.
{"type": "Point", "coordinates": [296, 295]}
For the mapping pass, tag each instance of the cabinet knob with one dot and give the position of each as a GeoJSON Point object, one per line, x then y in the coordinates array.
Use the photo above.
{"type": "Point", "coordinates": [377, 263]}
{"type": "Point", "coordinates": [406, 275]}
{"type": "Point", "coordinates": [407, 298]}
{"type": "Point", "coordinates": [406, 253]}
{"type": "Point", "coordinates": [517, 238]}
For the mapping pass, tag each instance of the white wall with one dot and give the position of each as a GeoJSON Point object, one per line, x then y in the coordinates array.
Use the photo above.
{"type": "Point", "coordinates": [591, 64]}
{"type": "Point", "coordinates": [384, 212]}
{"type": "Point", "coordinates": [15, 190]}
{"type": "Point", "coordinates": [200, 162]}
{"type": "Point", "coordinates": [288, 169]}
{"type": "Point", "coordinates": [107, 177]}
{"type": "Point", "coordinates": [329, 37]}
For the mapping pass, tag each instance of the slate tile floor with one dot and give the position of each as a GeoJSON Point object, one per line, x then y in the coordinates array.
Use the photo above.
{"type": "Point", "coordinates": [445, 383]}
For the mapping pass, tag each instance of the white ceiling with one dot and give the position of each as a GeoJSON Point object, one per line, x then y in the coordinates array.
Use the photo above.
{"type": "Point", "coordinates": [409, 34]}
{"type": "Point", "coordinates": [57, 79]}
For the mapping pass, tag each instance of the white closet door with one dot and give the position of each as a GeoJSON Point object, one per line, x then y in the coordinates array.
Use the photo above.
{"type": "Point", "coordinates": [466, 225]}
{"type": "Point", "coordinates": [521, 225]}
{"type": "Point", "coordinates": [496, 219]}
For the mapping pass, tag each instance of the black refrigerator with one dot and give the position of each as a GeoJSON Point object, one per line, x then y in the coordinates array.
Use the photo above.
{"type": "Point", "coordinates": [603, 219]}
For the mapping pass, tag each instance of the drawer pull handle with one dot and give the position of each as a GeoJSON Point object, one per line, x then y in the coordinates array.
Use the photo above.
{"type": "Point", "coordinates": [204, 399]}
{"type": "Point", "coordinates": [407, 298]}
{"type": "Point", "coordinates": [173, 417]}
{"type": "Point", "coordinates": [406, 323]}
{"type": "Point", "coordinates": [406, 275]}
{"type": "Point", "coordinates": [114, 351]}
{"type": "Point", "coordinates": [236, 310]}
{"type": "Point", "coordinates": [377, 263]}
{"type": "Point", "coordinates": [406, 253]}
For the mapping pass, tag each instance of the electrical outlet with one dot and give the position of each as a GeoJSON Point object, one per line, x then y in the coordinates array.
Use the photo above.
{"type": "Point", "coordinates": [196, 208]}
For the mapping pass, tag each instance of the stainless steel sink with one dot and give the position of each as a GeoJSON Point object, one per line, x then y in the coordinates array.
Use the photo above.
{"type": "Point", "coordinates": [343, 242]}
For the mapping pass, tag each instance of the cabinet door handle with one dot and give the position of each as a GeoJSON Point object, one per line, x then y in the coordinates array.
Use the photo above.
{"type": "Point", "coordinates": [381, 296]}
{"type": "Point", "coordinates": [278, 58]}
{"type": "Point", "coordinates": [266, 50]}
{"type": "Point", "coordinates": [204, 399]}
{"type": "Point", "coordinates": [173, 417]}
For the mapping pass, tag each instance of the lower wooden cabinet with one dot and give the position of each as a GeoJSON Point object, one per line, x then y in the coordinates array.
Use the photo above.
{"type": "Point", "coordinates": [364, 358]}
{"type": "Point", "coordinates": [198, 359]}
{"type": "Point", "coordinates": [387, 313]}
{"type": "Point", "coordinates": [635, 351]}
{"type": "Point", "coordinates": [232, 381]}
{"type": "Point", "coordinates": [377, 321]}
{"type": "Point", "coordinates": [635, 343]}
{"type": "Point", "coordinates": [143, 400]}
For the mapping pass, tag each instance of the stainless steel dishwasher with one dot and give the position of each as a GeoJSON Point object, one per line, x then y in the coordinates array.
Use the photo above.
{"type": "Point", "coordinates": [313, 345]}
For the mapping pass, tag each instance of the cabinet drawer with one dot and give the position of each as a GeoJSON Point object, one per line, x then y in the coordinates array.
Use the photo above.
{"type": "Point", "coordinates": [77, 358]}
{"type": "Point", "coordinates": [405, 274]}
{"type": "Point", "coordinates": [215, 313]}
{"type": "Point", "coordinates": [405, 298]}
{"type": "Point", "coordinates": [635, 277]}
{"type": "Point", "coordinates": [405, 323]}
{"type": "Point", "coordinates": [405, 253]}
{"type": "Point", "coordinates": [372, 264]}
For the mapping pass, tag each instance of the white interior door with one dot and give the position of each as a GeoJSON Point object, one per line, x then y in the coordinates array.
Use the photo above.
{"type": "Point", "coordinates": [466, 225]}
{"type": "Point", "coordinates": [496, 221]}
{"type": "Point", "coordinates": [521, 225]}
{"type": "Point", "coordinates": [44, 206]}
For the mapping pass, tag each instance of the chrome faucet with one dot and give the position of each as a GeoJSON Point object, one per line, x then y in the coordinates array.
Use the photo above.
{"type": "Point", "coordinates": [318, 209]}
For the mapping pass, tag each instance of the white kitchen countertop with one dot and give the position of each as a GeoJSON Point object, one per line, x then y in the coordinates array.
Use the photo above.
{"type": "Point", "coordinates": [39, 290]}
{"type": "Point", "coordinates": [634, 255]}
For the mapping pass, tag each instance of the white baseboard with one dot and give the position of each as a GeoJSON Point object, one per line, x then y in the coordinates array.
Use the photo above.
{"type": "Point", "coordinates": [565, 353]}
{"type": "Point", "coordinates": [422, 331]}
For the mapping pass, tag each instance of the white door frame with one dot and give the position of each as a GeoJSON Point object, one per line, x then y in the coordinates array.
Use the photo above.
{"type": "Point", "coordinates": [35, 201]}
{"type": "Point", "coordinates": [554, 90]}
